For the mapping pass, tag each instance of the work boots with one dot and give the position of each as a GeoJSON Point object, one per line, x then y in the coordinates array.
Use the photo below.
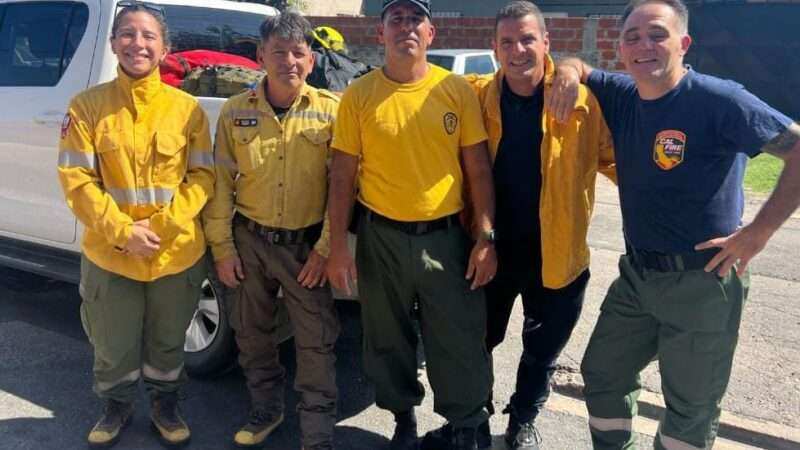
{"type": "Point", "coordinates": [483, 436]}
{"type": "Point", "coordinates": [521, 435]}
{"type": "Point", "coordinates": [167, 421]}
{"type": "Point", "coordinates": [405, 431]}
{"type": "Point", "coordinates": [107, 430]}
{"type": "Point", "coordinates": [448, 438]}
{"type": "Point", "coordinates": [260, 424]}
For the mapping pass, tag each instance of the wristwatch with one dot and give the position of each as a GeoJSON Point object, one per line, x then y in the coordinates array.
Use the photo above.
{"type": "Point", "coordinates": [489, 236]}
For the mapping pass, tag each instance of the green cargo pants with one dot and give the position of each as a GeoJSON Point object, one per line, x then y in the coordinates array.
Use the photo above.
{"type": "Point", "coordinates": [394, 269]}
{"type": "Point", "coordinates": [137, 328]}
{"type": "Point", "coordinates": [689, 321]}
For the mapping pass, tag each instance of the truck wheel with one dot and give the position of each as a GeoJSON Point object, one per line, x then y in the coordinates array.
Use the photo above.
{"type": "Point", "coordinates": [210, 348]}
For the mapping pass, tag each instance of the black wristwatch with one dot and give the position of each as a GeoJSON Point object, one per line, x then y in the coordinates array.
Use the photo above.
{"type": "Point", "coordinates": [489, 236]}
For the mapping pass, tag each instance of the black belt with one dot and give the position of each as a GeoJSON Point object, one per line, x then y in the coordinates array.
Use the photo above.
{"type": "Point", "coordinates": [281, 236]}
{"type": "Point", "coordinates": [414, 228]}
{"type": "Point", "coordinates": [677, 262]}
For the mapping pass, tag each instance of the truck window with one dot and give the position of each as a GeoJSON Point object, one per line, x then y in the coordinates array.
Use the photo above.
{"type": "Point", "coordinates": [195, 28]}
{"type": "Point", "coordinates": [480, 64]}
{"type": "Point", "coordinates": [38, 40]}
{"type": "Point", "coordinates": [445, 62]}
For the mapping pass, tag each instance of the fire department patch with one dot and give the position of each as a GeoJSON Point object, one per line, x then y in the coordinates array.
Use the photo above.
{"type": "Point", "coordinates": [669, 148]}
{"type": "Point", "coordinates": [450, 122]}
{"type": "Point", "coordinates": [65, 124]}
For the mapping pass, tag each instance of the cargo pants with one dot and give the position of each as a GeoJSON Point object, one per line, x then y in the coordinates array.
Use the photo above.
{"type": "Point", "coordinates": [268, 268]}
{"type": "Point", "coordinates": [394, 270]}
{"type": "Point", "coordinates": [137, 328]}
{"type": "Point", "coordinates": [689, 322]}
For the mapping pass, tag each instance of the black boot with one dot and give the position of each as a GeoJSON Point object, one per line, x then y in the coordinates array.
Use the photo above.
{"type": "Point", "coordinates": [107, 430]}
{"type": "Point", "coordinates": [405, 431]}
{"type": "Point", "coordinates": [167, 421]}
{"type": "Point", "coordinates": [483, 436]}
{"type": "Point", "coordinates": [463, 439]}
{"type": "Point", "coordinates": [521, 434]}
{"type": "Point", "coordinates": [448, 438]}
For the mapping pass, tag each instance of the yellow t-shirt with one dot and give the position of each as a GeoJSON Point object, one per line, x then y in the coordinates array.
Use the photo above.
{"type": "Point", "coordinates": [409, 137]}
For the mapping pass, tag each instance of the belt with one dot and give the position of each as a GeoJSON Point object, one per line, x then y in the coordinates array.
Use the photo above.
{"type": "Point", "coordinates": [413, 228]}
{"type": "Point", "coordinates": [677, 262]}
{"type": "Point", "coordinates": [281, 236]}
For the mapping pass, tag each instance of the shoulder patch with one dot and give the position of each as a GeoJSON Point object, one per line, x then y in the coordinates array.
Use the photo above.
{"type": "Point", "coordinates": [66, 124]}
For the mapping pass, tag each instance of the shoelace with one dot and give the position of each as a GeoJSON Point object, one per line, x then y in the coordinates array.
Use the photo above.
{"type": "Point", "coordinates": [113, 407]}
{"type": "Point", "coordinates": [527, 428]}
{"type": "Point", "coordinates": [168, 408]}
{"type": "Point", "coordinates": [259, 416]}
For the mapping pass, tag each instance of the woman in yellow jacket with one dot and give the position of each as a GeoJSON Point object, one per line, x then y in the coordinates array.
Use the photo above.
{"type": "Point", "coordinates": [136, 165]}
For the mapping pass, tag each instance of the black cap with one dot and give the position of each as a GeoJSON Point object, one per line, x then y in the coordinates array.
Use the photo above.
{"type": "Point", "coordinates": [424, 5]}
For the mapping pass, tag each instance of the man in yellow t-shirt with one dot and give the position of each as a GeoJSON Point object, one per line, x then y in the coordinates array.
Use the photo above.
{"type": "Point", "coordinates": [412, 127]}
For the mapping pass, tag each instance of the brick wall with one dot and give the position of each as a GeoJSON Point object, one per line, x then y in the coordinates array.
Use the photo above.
{"type": "Point", "coordinates": [593, 39]}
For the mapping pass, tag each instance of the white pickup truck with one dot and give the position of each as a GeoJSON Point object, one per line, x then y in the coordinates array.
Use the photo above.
{"type": "Point", "coordinates": [49, 51]}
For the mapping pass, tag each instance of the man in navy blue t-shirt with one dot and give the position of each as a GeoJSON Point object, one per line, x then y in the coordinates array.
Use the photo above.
{"type": "Point", "coordinates": [682, 140]}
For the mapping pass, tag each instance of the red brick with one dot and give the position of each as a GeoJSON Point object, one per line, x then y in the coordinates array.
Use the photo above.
{"type": "Point", "coordinates": [605, 45]}
{"type": "Point", "coordinates": [575, 22]}
{"type": "Point", "coordinates": [562, 34]}
{"type": "Point", "coordinates": [608, 55]}
{"type": "Point", "coordinates": [574, 46]}
{"type": "Point", "coordinates": [612, 34]}
{"type": "Point", "coordinates": [557, 22]}
{"type": "Point", "coordinates": [608, 22]}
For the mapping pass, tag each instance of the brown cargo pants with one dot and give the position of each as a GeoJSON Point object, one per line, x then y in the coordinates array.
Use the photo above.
{"type": "Point", "coordinates": [268, 268]}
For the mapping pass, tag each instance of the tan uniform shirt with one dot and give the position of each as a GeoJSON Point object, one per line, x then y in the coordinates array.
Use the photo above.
{"type": "Point", "coordinates": [272, 171]}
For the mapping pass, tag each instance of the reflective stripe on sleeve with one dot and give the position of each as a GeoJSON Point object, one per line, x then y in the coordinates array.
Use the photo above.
{"type": "Point", "coordinates": [72, 158]}
{"type": "Point", "coordinates": [141, 196]}
{"type": "Point", "coordinates": [604, 424]}
{"type": "Point", "coordinates": [321, 116]}
{"type": "Point", "coordinates": [200, 159]}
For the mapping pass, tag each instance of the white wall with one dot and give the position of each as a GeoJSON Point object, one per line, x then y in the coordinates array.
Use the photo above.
{"type": "Point", "coordinates": [333, 7]}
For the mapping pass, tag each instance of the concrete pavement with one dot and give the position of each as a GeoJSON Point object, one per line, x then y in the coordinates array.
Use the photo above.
{"type": "Point", "coordinates": [763, 400]}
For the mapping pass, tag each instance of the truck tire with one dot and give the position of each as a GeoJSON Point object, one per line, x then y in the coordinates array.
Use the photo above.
{"type": "Point", "coordinates": [210, 348]}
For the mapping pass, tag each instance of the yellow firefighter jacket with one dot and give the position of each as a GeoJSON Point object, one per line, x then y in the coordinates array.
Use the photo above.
{"type": "Point", "coordinates": [571, 155]}
{"type": "Point", "coordinates": [132, 150]}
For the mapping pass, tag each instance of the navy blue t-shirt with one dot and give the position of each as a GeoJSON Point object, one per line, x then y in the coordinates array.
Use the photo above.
{"type": "Point", "coordinates": [681, 158]}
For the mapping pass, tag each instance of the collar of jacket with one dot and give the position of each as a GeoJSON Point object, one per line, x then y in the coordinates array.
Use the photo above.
{"type": "Point", "coordinates": [263, 104]}
{"type": "Point", "coordinates": [496, 87]}
{"type": "Point", "coordinates": [140, 91]}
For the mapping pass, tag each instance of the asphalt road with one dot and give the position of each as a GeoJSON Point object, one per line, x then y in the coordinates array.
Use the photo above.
{"type": "Point", "coordinates": [45, 366]}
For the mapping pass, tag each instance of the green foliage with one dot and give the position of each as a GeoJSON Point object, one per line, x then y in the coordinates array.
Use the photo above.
{"type": "Point", "coordinates": [762, 173]}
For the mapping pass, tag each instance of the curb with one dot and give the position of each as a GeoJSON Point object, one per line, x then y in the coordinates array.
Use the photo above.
{"type": "Point", "coordinates": [739, 429]}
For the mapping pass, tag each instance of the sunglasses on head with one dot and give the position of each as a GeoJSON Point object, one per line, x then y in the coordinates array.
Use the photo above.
{"type": "Point", "coordinates": [148, 6]}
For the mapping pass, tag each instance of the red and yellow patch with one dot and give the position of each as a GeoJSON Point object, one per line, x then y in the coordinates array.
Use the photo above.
{"type": "Point", "coordinates": [669, 149]}
{"type": "Point", "coordinates": [65, 124]}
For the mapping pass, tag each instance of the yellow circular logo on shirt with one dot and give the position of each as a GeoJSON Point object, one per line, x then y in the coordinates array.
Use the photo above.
{"type": "Point", "coordinates": [450, 122]}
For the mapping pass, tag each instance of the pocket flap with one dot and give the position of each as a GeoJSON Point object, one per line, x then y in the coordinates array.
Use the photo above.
{"type": "Point", "coordinates": [169, 143]}
{"type": "Point", "coordinates": [108, 141]}
{"type": "Point", "coordinates": [244, 135]}
{"type": "Point", "coordinates": [317, 135]}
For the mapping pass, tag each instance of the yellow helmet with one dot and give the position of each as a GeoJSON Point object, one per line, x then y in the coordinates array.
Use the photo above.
{"type": "Point", "coordinates": [331, 39]}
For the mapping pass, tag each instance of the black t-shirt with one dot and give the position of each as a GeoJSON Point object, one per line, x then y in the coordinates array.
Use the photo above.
{"type": "Point", "coordinates": [517, 172]}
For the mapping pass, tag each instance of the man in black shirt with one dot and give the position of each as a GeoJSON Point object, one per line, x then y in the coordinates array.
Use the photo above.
{"type": "Point", "coordinates": [544, 175]}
